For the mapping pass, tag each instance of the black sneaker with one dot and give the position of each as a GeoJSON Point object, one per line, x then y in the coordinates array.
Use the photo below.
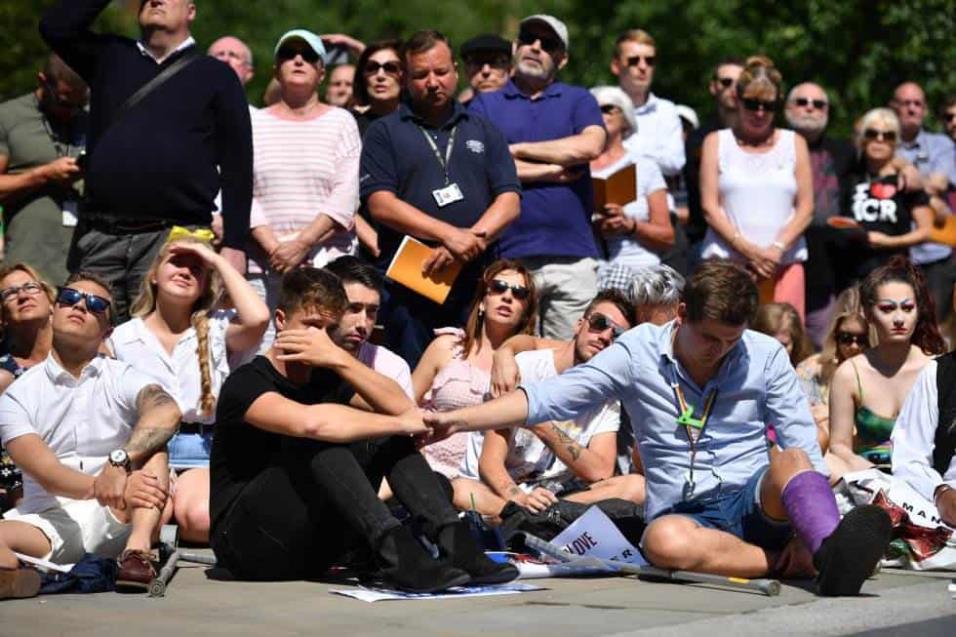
{"type": "Point", "coordinates": [850, 555]}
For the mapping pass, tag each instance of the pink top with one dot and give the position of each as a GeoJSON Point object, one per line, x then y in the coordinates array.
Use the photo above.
{"type": "Point", "coordinates": [457, 384]}
{"type": "Point", "coordinates": [302, 168]}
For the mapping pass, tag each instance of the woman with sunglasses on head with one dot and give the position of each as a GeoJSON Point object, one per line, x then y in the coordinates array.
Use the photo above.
{"type": "Point", "coordinates": [179, 338]}
{"type": "Point", "coordinates": [756, 189]}
{"type": "Point", "coordinates": [891, 212]}
{"type": "Point", "coordinates": [636, 232]}
{"type": "Point", "coordinates": [455, 369]}
{"type": "Point", "coordinates": [847, 336]}
{"type": "Point", "coordinates": [869, 389]}
{"type": "Point", "coordinates": [305, 172]}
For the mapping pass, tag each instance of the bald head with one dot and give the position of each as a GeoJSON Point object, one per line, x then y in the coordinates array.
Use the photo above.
{"type": "Point", "coordinates": [236, 54]}
{"type": "Point", "coordinates": [909, 102]}
{"type": "Point", "coordinates": [808, 110]}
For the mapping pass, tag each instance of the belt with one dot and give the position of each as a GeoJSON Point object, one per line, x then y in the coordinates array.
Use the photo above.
{"type": "Point", "coordinates": [194, 428]}
{"type": "Point", "coordinates": [112, 224]}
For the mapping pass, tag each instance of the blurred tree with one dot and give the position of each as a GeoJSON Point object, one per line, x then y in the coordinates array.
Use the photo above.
{"type": "Point", "coordinates": [858, 49]}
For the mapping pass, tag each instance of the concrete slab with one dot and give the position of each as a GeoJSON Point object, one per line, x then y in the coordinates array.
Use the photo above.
{"type": "Point", "coordinates": [196, 605]}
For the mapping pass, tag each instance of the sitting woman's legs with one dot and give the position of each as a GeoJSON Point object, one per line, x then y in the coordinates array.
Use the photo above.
{"type": "Point", "coordinates": [191, 505]}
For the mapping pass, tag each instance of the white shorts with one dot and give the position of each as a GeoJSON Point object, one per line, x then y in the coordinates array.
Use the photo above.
{"type": "Point", "coordinates": [77, 527]}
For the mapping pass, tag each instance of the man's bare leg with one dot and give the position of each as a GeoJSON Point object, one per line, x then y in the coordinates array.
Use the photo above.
{"type": "Point", "coordinates": [22, 538]}
{"type": "Point", "coordinates": [629, 487]}
{"type": "Point", "coordinates": [474, 494]}
{"type": "Point", "coordinates": [145, 520]}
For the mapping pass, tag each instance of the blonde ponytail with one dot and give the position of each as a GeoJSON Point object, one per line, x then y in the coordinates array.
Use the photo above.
{"type": "Point", "coordinates": [207, 401]}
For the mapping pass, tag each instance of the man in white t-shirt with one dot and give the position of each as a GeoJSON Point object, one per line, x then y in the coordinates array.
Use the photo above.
{"type": "Point", "coordinates": [573, 459]}
{"type": "Point", "coordinates": [89, 434]}
{"type": "Point", "coordinates": [363, 286]}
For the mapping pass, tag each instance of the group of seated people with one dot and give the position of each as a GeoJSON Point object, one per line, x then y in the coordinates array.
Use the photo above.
{"type": "Point", "coordinates": [284, 462]}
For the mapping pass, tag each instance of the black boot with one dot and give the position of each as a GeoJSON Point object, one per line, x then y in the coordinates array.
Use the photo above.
{"type": "Point", "coordinates": [457, 543]}
{"type": "Point", "coordinates": [848, 557]}
{"type": "Point", "coordinates": [406, 565]}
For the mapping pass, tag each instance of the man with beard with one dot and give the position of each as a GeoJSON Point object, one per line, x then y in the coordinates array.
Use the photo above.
{"type": "Point", "coordinates": [554, 130]}
{"type": "Point", "coordinates": [807, 112]}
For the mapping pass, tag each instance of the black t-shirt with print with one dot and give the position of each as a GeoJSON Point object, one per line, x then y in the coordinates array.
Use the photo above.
{"type": "Point", "coordinates": [878, 205]}
{"type": "Point", "coordinates": [241, 451]}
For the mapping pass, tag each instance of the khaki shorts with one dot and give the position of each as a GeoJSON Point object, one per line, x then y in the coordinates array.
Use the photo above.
{"type": "Point", "coordinates": [77, 527]}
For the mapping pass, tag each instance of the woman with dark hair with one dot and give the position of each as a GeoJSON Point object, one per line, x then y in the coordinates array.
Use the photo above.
{"type": "Point", "coordinates": [455, 370]}
{"type": "Point", "coordinates": [781, 321]}
{"type": "Point", "coordinates": [869, 389]}
{"type": "Point", "coordinates": [756, 190]}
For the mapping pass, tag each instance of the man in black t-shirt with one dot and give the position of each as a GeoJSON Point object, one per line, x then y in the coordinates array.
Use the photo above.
{"type": "Point", "coordinates": [285, 486]}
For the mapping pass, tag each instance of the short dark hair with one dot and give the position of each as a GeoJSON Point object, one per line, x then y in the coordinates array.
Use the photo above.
{"type": "Point", "coordinates": [359, 88]}
{"type": "Point", "coordinates": [729, 60]}
{"type": "Point", "coordinates": [312, 288]}
{"type": "Point", "coordinates": [723, 291]}
{"type": "Point", "coordinates": [615, 297]}
{"type": "Point", "coordinates": [92, 277]}
{"type": "Point", "coordinates": [424, 40]}
{"type": "Point", "coordinates": [353, 270]}
{"type": "Point", "coordinates": [56, 70]}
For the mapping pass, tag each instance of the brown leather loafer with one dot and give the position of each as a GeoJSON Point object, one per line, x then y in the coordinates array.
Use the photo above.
{"type": "Point", "coordinates": [136, 571]}
{"type": "Point", "coordinates": [19, 583]}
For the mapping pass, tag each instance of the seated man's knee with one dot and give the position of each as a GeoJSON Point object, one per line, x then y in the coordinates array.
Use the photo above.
{"type": "Point", "coordinates": [633, 488]}
{"type": "Point", "coordinates": [669, 543]}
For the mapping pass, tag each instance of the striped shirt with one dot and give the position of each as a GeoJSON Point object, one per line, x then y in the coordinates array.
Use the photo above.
{"type": "Point", "coordinates": [303, 168]}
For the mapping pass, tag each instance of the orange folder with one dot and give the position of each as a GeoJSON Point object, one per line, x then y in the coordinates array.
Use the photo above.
{"type": "Point", "coordinates": [406, 268]}
{"type": "Point", "coordinates": [619, 188]}
{"type": "Point", "coordinates": [945, 234]}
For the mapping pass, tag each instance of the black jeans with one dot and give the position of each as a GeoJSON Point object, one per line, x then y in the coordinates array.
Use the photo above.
{"type": "Point", "coordinates": [295, 520]}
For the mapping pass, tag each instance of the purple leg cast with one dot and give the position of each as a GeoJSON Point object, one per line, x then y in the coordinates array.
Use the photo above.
{"type": "Point", "coordinates": [811, 507]}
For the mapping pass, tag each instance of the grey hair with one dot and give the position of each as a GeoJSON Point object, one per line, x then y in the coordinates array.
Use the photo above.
{"type": "Point", "coordinates": [656, 285]}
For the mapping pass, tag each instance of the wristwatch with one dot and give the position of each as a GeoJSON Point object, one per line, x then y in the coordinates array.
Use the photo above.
{"type": "Point", "coordinates": [119, 458]}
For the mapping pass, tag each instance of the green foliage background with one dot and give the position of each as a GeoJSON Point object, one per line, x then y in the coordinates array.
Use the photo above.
{"type": "Point", "coordinates": [859, 50]}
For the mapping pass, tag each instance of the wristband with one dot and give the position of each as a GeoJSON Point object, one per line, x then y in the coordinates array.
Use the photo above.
{"type": "Point", "coordinates": [779, 245]}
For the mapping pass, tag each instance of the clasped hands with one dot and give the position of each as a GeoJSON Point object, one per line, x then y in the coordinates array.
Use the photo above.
{"type": "Point", "coordinates": [461, 244]}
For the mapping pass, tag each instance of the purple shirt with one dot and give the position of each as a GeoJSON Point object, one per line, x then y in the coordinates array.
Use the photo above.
{"type": "Point", "coordinates": [555, 219]}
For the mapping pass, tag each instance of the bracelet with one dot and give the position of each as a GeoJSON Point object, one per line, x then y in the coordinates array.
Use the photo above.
{"type": "Point", "coordinates": [779, 245]}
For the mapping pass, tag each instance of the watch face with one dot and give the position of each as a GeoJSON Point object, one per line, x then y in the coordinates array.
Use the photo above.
{"type": "Point", "coordinates": [118, 457]}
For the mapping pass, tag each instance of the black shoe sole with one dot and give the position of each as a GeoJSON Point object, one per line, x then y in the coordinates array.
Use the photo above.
{"type": "Point", "coordinates": [849, 556]}
{"type": "Point", "coordinates": [508, 573]}
{"type": "Point", "coordinates": [456, 578]}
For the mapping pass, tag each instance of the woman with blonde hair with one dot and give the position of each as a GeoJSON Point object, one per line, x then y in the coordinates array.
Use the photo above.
{"type": "Point", "coordinates": [178, 337]}
{"type": "Point", "coordinates": [781, 321]}
{"type": "Point", "coordinates": [757, 191]}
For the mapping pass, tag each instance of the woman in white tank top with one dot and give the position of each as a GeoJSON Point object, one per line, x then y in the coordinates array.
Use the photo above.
{"type": "Point", "coordinates": [757, 190]}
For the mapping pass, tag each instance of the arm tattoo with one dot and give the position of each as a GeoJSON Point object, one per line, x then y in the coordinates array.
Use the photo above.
{"type": "Point", "coordinates": [149, 436]}
{"type": "Point", "coordinates": [152, 396]}
{"type": "Point", "coordinates": [572, 447]}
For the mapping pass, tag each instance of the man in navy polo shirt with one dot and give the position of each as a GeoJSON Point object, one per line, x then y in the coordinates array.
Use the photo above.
{"type": "Point", "coordinates": [436, 172]}
{"type": "Point", "coordinates": [554, 131]}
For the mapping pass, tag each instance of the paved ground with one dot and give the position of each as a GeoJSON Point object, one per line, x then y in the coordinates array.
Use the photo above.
{"type": "Point", "coordinates": [914, 605]}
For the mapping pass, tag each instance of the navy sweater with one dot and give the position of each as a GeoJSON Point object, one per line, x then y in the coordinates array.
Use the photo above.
{"type": "Point", "coordinates": [168, 156]}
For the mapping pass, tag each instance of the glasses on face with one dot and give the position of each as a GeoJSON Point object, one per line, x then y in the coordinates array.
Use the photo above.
{"type": "Point", "coordinates": [872, 134]}
{"type": "Point", "coordinates": [806, 101]}
{"type": "Point", "coordinates": [754, 105]}
{"type": "Point", "coordinates": [70, 297]}
{"type": "Point", "coordinates": [32, 288]}
{"type": "Point", "coordinates": [634, 60]}
{"type": "Point", "coordinates": [607, 109]}
{"type": "Point", "coordinates": [726, 82]}
{"type": "Point", "coordinates": [390, 68]}
{"type": "Point", "coordinates": [548, 44]}
{"type": "Point", "coordinates": [497, 286]}
{"type": "Point", "coordinates": [851, 338]}
{"type": "Point", "coordinates": [500, 62]}
{"type": "Point", "coordinates": [599, 323]}
{"type": "Point", "coordinates": [289, 53]}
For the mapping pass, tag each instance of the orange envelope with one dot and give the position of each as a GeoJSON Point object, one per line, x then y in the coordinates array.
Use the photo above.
{"type": "Point", "coordinates": [406, 268]}
{"type": "Point", "coordinates": [946, 233]}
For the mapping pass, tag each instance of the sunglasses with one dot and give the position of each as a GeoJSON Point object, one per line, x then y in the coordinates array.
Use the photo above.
{"type": "Point", "coordinates": [289, 53]}
{"type": "Point", "coordinates": [806, 101]}
{"type": "Point", "coordinates": [871, 134]}
{"type": "Point", "coordinates": [634, 60]}
{"type": "Point", "coordinates": [600, 323]}
{"type": "Point", "coordinates": [32, 288]}
{"type": "Point", "coordinates": [70, 297]}
{"type": "Point", "coordinates": [754, 105]}
{"type": "Point", "coordinates": [520, 292]}
{"type": "Point", "coordinates": [390, 68]}
{"type": "Point", "coordinates": [495, 61]}
{"type": "Point", "coordinates": [607, 109]}
{"type": "Point", "coordinates": [726, 82]}
{"type": "Point", "coordinates": [950, 116]}
{"type": "Point", "coordinates": [849, 338]}
{"type": "Point", "coordinates": [548, 44]}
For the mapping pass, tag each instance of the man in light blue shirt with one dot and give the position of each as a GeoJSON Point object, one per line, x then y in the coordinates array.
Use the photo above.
{"type": "Point", "coordinates": [701, 391]}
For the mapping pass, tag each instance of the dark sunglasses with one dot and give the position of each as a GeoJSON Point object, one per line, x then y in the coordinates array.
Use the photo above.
{"type": "Point", "coordinates": [520, 292]}
{"type": "Point", "coordinates": [289, 53]}
{"type": "Point", "coordinates": [32, 288]}
{"type": "Point", "coordinates": [849, 338]}
{"type": "Point", "coordinates": [871, 134]}
{"type": "Point", "coordinates": [549, 45]}
{"type": "Point", "coordinates": [599, 323]}
{"type": "Point", "coordinates": [610, 108]}
{"type": "Point", "coordinates": [634, 60]}
{"type": "Point", "coordinates": [755, 105]}
{"type": "Point", "coordinates": [70, 297]}
{"type": "Point", "coordinates": [726, 82]}
{"type": "Point", "coordinates": [806, 101]}
{"type": "Point", "coordinates": [390, 68]}
{"type": "Point", "coordinates": [494, 61]}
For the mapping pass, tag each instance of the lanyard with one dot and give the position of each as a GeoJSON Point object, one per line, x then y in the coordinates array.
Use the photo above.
{"type": "Point", "coordinates": [694, 427]}
{"type": "Point", "coordinates": [442, 161]}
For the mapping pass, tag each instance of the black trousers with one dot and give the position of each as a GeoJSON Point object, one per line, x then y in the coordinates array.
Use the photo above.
{"type": "Point", "coordinates": [295, 519]}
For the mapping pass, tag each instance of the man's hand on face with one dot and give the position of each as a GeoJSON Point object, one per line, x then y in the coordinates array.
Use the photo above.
{"type": "Point", "coordinates": [312, 346]}
{"type": "Point", "coordinates": [109, 487]}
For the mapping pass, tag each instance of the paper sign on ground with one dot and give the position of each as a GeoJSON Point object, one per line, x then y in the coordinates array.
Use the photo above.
{"type": "Point", "coordinates": [381, 594]}
{"type": "Point", "coordinates": [594, 535]}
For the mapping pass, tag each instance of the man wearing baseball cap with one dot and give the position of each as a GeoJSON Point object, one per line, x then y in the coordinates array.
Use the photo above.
{"type": "Point", "coordinates": [554, 130]}
{"type": "Point", "coordinates": [487, 60]}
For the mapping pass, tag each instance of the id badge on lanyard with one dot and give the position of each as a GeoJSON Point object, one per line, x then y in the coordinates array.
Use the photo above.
{"type": "Point", "coordinates": [451, 192]}
{"type": "Point", "coordinates": [693, 427]}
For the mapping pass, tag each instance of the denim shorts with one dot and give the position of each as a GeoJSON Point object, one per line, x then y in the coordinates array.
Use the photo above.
{"type": "Point", "coordinates": [190, 450]}
{"type": "Point", "coordinates": [738, 513]}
